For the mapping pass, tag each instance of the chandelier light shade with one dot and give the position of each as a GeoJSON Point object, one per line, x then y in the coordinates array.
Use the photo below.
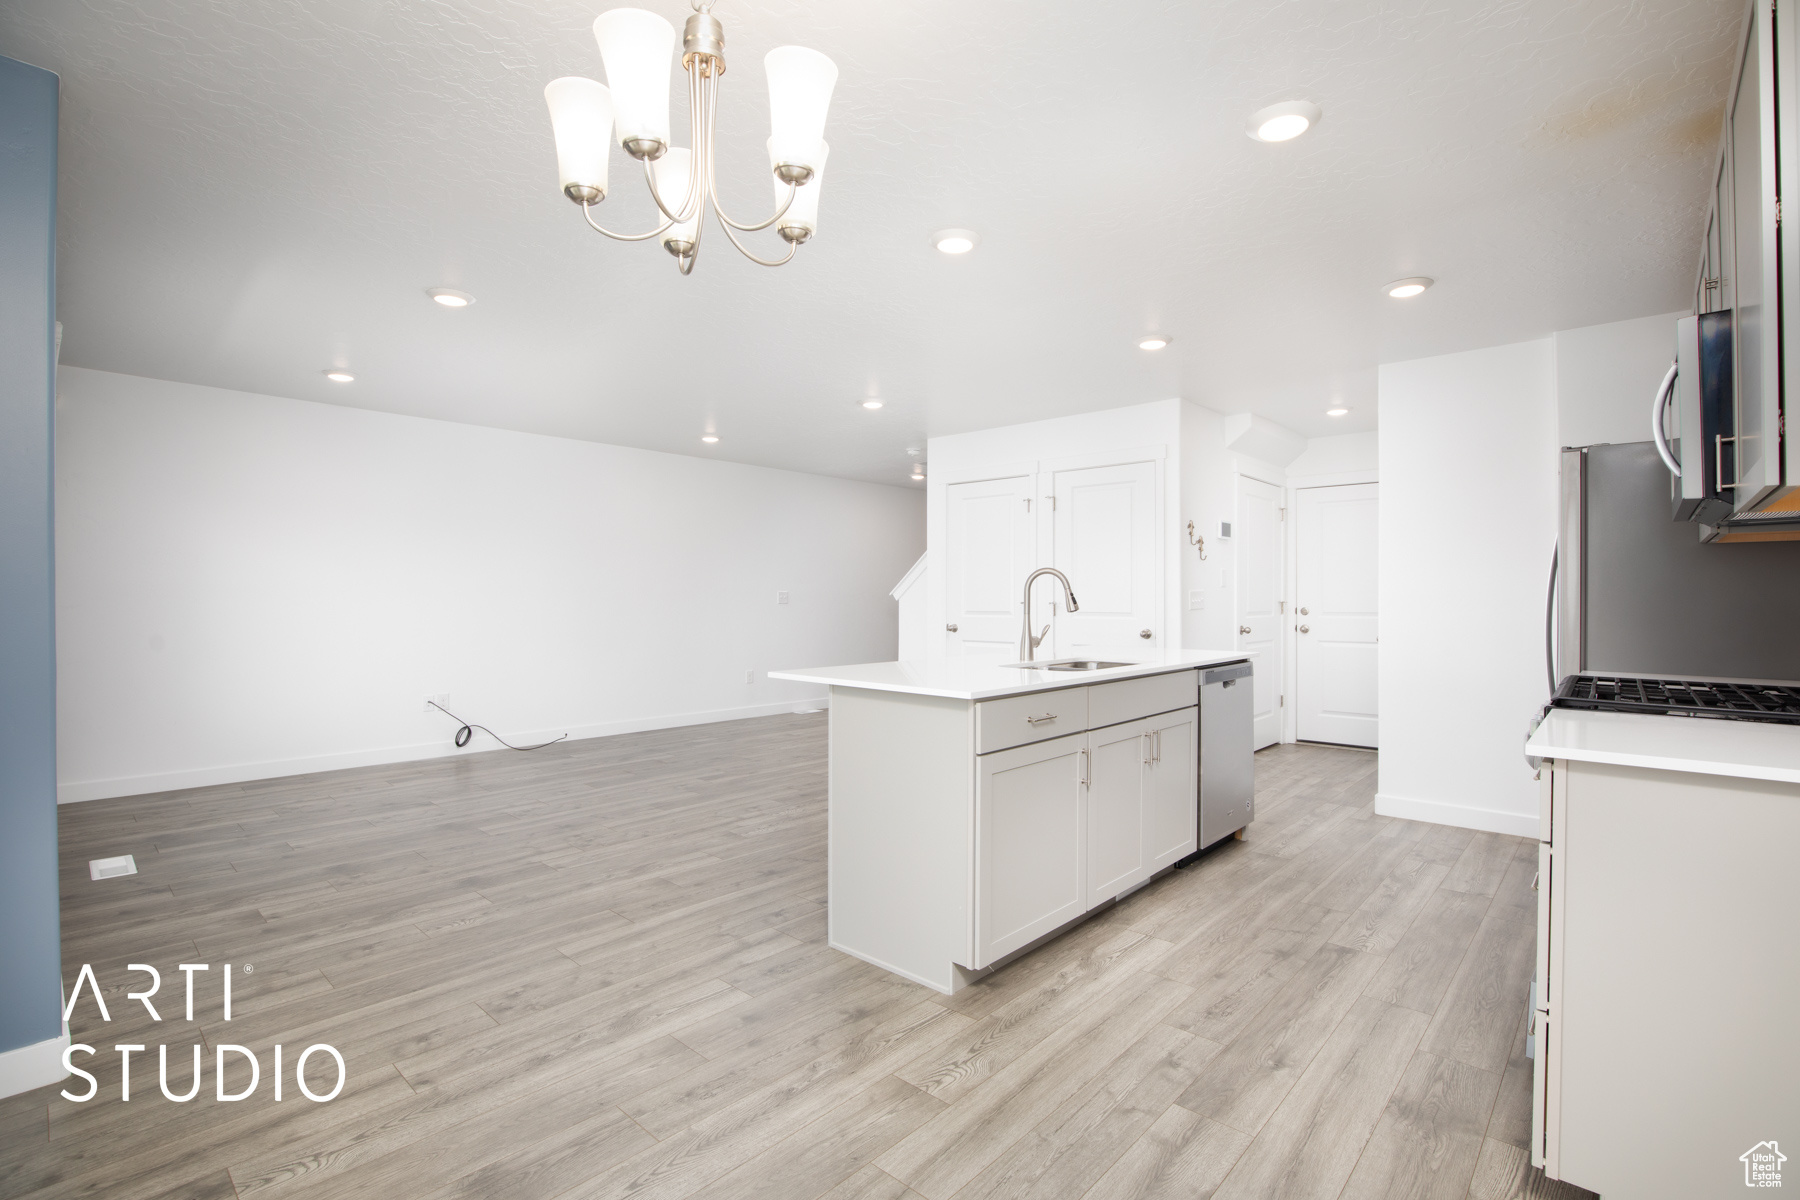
{"type": "Point", "coordinates": [581, 116]}
{"type": "Point", "coordinates": [637, 48]}
{"type": "Point", "coordinates": [800, 220]}
{"type": "Point", "coordinates": [800, 83]}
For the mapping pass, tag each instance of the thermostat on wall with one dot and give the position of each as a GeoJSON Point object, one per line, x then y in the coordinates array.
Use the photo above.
{"type": "Point", "coordinates": [1225, 530]}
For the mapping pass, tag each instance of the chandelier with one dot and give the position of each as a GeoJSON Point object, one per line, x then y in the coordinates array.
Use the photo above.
{"type": "Point", "coordinates": [638, 49]}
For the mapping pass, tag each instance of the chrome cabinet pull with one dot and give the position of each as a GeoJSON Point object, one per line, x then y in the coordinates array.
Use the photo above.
{"type": "Point", "coordinates": [1156, 746]}
{"type": "Point", "coordinates": [1144, 748]}
{"type": "Point", "coordinates": [1040, 720]}
{"type": "Point", "coordinates": [1085, 780]}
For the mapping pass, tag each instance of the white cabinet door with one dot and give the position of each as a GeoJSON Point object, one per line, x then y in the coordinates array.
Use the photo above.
{"type": "Point", "coordinates": [1335, 616]}
{"type": "Point", "coordinates": [1116, 835]}
{"type": "Point", "coordinates": [1030, 844]}
{"type": "Point", "coordinates": [988, 553]}
{"type": "Point", "coordinates": [1260, 513]}
{"type": "Point", "coordinates": [1171, 788]}
{"type": "Point", "coordinates": [1756, 335]}
{"type": "Point", "coordinates": [1105, 541]}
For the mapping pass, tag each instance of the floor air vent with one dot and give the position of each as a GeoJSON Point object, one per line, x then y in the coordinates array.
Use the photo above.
{"type": "Point", "coordinates": [112, 868]}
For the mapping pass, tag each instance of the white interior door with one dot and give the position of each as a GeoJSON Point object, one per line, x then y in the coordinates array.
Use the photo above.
{"type": "Point", "coordinates": [1260, 519]}
{"type": "Point", "coordinates": [1335, 614]}
{"type": "Point", "coordinates": [989, 551]}
{"type": "Point", "coordinates": [1105, 528]}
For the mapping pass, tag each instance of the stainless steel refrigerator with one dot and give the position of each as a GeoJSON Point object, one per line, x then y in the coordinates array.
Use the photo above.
{"type": "Point", "coordinates": [1636, 593]}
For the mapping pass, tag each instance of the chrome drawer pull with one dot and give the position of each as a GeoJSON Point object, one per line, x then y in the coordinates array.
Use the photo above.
{"type": "Point", "coordinates": [1040, 720]}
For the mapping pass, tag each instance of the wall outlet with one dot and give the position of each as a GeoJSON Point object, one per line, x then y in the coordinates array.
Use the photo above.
{"type": "Point", "coordinates": [749, 676]}
{"type": "Point", "coordinates": [781, 597]}
{"type": "Point", "coordinates": [1196, 600]}
{"type": "Point", "coordinates": [442, 698]}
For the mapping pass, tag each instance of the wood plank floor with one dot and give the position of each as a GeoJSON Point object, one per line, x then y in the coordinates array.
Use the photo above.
{"type": "Point", "coordinates": [599, 970]}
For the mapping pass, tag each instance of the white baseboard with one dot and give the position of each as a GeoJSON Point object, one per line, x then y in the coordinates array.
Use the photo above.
{"type": "Point", "coordinates": [1441, 812]}
{"type": "Point", "coordinates": [137, 785]}
{"type": "Point", "coordinates": [32, 1066]}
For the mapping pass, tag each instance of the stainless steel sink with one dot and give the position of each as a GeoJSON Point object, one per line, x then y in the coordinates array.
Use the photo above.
{"type": "Point", "coordinates": [1080, 664]}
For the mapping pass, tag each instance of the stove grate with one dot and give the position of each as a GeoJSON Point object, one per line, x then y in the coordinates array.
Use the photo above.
{"type": "Point", "coordinates": [1777, 702]}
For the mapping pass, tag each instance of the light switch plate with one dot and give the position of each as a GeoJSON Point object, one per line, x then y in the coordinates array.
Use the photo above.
{"type": "Point", "coordinates": [1196, 600]}
{"type": "Point", "coordinates": [781, 597]}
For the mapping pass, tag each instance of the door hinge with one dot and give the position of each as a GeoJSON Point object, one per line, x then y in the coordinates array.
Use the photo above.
{"type": "Point", "coordinates": [1028, 504]}
{"type": "Point", "coordinates": [1283, 606]}
{"type": "Point", "coordinates": [1052, 500]}
{"type": "Point", "coordinates": [1284, 511]}
{"type": "Point", "coordinates": [1283, 702]}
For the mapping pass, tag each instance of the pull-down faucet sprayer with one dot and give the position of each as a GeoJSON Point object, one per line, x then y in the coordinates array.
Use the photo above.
{"type": "Point", "coordinates": [1027, 643]}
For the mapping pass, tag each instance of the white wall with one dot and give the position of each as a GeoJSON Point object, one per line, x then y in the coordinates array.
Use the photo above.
{"type": "Point", "coordinates": [1327, 457]}
{"type": "Point", "coordinates": [1208, 496]}
{"type": "Point", "coordinates": [1606, 376]}
{"type": "Point", "coordinates": [250, 586]}
{"type": "Point", "coordinates": [1468, 466]}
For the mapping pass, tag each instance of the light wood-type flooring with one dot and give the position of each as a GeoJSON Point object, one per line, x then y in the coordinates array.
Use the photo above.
{"type": "Point", "coordinates": [599, 971]}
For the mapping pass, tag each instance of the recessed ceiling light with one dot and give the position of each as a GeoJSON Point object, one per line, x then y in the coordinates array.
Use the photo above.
{"type": "Point", "coordinates": [1154, 341]}
{"type": "Point", "coordinates": [1339, 411]}
{"type": "Point", "coordinates": [1404, 289]}
{"type": "Point", "coordinates": [917, 473]}
{"type": "Point", "coordinates": [709, 438]}
{"type": "Point", "coordinates": [954, 241]}
{"type": "Point", "coordinates": [1283, 122]}
{"type": "Point", "coordinates": [337, 376]}
{"type": "Point", "coordinates": [450, 297]}
{"type": "Point", "coordinates": [871, 404]}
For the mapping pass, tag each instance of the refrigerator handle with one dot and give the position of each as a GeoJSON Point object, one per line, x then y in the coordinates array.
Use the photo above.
{"type": "Point", "coordinates": [1550, 623]}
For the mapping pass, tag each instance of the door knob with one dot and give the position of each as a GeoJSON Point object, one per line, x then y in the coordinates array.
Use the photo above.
{"type": "Point", "coordinates": [1303, 612]}
{"type": "Point", "coordinates": [1305, 629]}
{"type": "Point", "coordinates": [1243, 629]}
{"type": "Point", "coordinates": [1145, 633]}
{"type": "Point", "coordinates": [949, 629]}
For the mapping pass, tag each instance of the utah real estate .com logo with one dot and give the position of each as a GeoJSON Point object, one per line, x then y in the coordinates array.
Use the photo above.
{"type": "Point", "coordinates": [1762, 1165]}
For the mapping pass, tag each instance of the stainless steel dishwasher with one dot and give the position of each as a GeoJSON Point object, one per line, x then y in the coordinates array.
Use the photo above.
{"type": "Point", "coordinates": [1227, 759]}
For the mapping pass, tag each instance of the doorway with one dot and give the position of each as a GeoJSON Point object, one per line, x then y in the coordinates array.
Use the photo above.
{"type": "Point", "coordinates": [1335, 615]}
{"type": "Point", "coordinates": [1261, 514]}
{"type": "Point", "coordinates": [1104, 538]}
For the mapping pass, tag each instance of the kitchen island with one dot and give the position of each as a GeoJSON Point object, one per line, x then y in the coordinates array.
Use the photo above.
{"type": "Point", "coordinates": [978, 808]}
{"type": "Point", "coordinates": [1668, 955]}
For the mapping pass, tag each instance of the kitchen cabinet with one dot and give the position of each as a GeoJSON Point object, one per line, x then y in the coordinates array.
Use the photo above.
{"type": "Point", "coordinates": [1741, 270]}
{"type": "Point", "coordinates": [965, 827]}
{"type": "Point", "coordinates": [1662, 1009]}
{"type": "Point", "coordinates": [1031, 868]}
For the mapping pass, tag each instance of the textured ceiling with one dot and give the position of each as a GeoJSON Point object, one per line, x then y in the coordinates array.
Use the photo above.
{"type": "Point", "coordinates": [253, 190]}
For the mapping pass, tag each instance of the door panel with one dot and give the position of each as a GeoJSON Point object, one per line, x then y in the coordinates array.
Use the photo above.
{"type": "Point", "coordinates": [1031, 867]}
{"type": "Point", "coordinates": [1259, 592]}
{"type": "Point", "coordinates": [1105, 531]}
{"type": "Point", "coordinates": [1756, 337]}
{"type": "Point", "coordinates": [1335, 618]}
{"type": "Point", "coordinates": [989, 553]}
{"type": "Point", "coordinates": [1115, 810]}
{"type": "Point", "coordinates": [1171, 789]}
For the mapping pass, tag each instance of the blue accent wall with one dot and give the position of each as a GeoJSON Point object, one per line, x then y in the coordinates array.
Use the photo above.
{"type": "Point", "coordinates": [30, 934]}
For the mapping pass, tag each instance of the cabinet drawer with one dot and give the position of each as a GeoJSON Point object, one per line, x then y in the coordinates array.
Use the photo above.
{"type": "Point", "coordinates": [1129, 699]}
{"type": "Point", "coordinates": [1017, 720]}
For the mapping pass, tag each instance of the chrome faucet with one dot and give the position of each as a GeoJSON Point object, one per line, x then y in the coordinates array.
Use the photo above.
{"type": "Point", "coordinates": [1027, 643]}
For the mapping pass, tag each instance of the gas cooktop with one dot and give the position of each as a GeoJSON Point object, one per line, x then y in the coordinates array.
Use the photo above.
{"type": "Point", "coordinates": [1739, 701]}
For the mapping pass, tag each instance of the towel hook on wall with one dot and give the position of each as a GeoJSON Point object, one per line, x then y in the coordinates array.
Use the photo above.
{"type": "Point", "coordinates": [1196, 540]}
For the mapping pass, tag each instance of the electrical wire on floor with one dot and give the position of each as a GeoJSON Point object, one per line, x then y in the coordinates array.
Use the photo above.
{"type": "Point", "coordinates": [468, 731]}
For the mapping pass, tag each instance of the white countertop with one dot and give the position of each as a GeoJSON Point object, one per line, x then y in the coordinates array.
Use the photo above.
{"type": "Point", "coordinates": [1745, 749]}
{"type": "Point", "coordinates": [959, 679]}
